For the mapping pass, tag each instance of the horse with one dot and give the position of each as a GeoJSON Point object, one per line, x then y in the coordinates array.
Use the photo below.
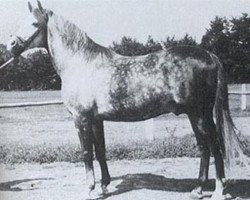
{"type": "Point", "coordinates": [99, 84]}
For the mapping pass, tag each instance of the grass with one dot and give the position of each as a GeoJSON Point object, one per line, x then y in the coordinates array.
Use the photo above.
{"type": "Point", "coordinates": [158, 148]}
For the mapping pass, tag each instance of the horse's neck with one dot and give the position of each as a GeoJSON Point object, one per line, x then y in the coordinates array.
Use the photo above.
{"type": "Point", "coordinates": [68, 45]}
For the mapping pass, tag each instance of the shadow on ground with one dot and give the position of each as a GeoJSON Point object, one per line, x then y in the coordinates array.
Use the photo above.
{"type": "Point", "coordinates": [130, 182]}
{"type": "Point", "coordinates": [10, 185]}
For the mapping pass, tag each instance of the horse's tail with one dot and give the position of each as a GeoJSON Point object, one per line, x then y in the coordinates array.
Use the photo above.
{"type": "Point", "coordinates": [227, 132]}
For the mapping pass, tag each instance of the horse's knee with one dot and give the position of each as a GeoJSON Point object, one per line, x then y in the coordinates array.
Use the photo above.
{"type": "Point", "coordinates": [81, 124]}
{"type": "Point", "coordinates": [100, 156]}
{"type": "Point", "coordinates": [215, 145]}
{"type": "Point", "coordinates": [87, 156]}
{"type": "Point", "coordinates": [204, 149]}
{"type": "Point", "coordinates": [86, 138]}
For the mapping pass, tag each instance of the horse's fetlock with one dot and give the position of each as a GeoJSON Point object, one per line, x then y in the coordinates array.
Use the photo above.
{"type": "Point", "coordinates": [106, 181]}
{"type": "Point", "coordinates": [91, 187]}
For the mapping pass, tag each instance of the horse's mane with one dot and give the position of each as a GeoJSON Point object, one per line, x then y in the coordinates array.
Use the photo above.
{"type": "Point", "coordinates": [77, 40]}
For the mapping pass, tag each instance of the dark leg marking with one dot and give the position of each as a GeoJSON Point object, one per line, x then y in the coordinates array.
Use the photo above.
{"type": "Point", "coordinates": [100, 150]}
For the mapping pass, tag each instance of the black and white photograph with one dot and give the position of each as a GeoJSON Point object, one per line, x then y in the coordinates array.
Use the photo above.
{"type": "Point", "coordinates": [124, 99]}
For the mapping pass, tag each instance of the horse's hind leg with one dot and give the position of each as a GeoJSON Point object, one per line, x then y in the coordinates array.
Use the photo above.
{"type": "Point", "coordinates": [204, 148]}
{"type": "Point", "coordinates": [207, 129]}
{"type": "Point", "coordinates": [86, 139]}
{"type": "Point", "coordinates": [219, 165]}
{"type": "Point", "coordinates": [100, 150]}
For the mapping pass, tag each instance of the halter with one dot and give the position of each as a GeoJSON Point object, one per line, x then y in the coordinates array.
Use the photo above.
{"type": "Point", "coordinates": [22, 45]}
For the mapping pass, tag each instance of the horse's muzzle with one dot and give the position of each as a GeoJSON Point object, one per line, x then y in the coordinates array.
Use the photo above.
{"type": "Point", "coordinates": [17, 50]}
{"type": "Point", "coordinates": [16, 47]}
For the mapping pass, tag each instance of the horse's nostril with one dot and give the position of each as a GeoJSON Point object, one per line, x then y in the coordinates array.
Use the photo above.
{"type": "Point", "coordinates": [13, 43]}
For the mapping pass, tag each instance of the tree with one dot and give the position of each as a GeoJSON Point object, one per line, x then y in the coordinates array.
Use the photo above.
{"type": "Point", "coordinates": [217, 41]}
{"type": "Point", "coordinates": [131, 47]}
{"type": "Point", "coordinates": [186, 40]}
{"type": "Point", "coordinates": [152, 45]}
{"type": "Point", "coordinates": [240, 47]}
{"type": "Point", "coordinates": [128, 47]}
{"type": "Point", "coordinates": [230, 41]}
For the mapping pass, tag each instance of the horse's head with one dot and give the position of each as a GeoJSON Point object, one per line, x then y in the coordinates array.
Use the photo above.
{"type": "Point", "coordinates": [34, 35]}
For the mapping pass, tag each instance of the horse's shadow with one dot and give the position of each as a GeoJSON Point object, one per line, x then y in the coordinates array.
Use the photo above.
{"type": "Point", "coordinates": [10, 185]}
{"type": "Point", "coordinates": [130, 182]}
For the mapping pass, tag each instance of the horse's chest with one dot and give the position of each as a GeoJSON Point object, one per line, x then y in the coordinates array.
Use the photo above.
{"type": "Point", "coordinates": [82, 88]}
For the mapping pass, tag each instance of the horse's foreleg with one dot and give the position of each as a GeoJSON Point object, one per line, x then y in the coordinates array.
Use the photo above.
{"type": "Point", "coordinates": [86, 139]}
{"type": "Point", "coordinates": [205, 155]}
{"type": "Point", "coordinates": [99, 141]}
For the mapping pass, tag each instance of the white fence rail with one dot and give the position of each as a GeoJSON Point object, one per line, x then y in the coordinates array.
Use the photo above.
{"type": "Point", "coordinates": [26, 104]}
{"type": "Point", "coordinates": [243, 94]}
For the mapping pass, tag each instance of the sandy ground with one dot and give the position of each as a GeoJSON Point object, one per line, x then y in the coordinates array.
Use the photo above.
{"type": "Point", "coordinates": [171, 179]}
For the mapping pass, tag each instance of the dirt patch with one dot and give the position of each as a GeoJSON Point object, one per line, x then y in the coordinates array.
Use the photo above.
{"type": "Point", "coordinates": [141, 179]}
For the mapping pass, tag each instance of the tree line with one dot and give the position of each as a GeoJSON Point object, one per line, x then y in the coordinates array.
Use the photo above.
{"type": "Point", "coordinates": [229, 39]}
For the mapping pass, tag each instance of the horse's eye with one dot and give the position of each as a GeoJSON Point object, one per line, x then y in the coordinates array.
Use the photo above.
{"type": "Point", "coordinates": [35, 24]}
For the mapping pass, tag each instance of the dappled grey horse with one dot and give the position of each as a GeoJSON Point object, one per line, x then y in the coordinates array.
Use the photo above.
{"type": "Point", "coordinates": [98, 85]}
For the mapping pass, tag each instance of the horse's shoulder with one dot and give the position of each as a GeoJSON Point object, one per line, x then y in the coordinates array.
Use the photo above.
{"type": "Point", "coordinates": [191, 52]}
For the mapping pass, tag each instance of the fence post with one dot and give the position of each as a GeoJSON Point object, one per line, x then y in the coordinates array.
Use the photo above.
{"type": "Point", "coordinates": [243, 97]}
{"type": "Point", "coordinates": [149, 129]}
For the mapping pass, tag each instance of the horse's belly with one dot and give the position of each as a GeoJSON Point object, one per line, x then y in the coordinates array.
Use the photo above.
{"type": "Point", "coordinates": [137, 111]}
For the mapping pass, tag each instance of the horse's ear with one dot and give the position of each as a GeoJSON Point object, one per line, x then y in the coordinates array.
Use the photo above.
{"type": "Point", "coordinates": [30, 7]}
{"type": "Point", "coordinates": [40, 6]}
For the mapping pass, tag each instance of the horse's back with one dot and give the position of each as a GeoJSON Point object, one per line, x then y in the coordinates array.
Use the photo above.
{"type": "Point", "coordinates": [191, 52]}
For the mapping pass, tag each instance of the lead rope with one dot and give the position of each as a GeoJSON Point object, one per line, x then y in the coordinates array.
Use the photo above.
{"type": "Point", "coordinates": [6, 63]}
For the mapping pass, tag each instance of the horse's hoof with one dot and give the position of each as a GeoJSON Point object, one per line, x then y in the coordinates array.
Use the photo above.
{"type": "Point", "coordinates": [104, 190]}
{"type": "Point", "coordinates": [196, 193]}
{"type": "Point", "coordinates": [92, 195]}
{"type": "Point", "coordinates": [221, 197]}
{"type": "Point", "coordinates": [228, 196]}
{"type": "Point", "coordinates": [91, 187]}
